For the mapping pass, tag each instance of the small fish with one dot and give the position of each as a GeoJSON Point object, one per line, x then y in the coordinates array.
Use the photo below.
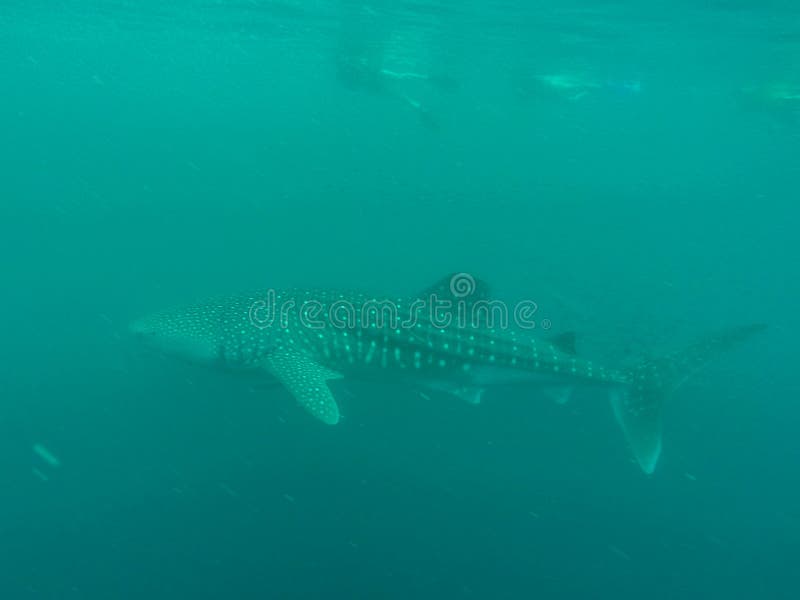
{"type": "Point", "coordinates": [47, 456]}
{"type": "Point", "coordinates": [620, 553]}
{"type": "Point", "coordinates": [40, 475]}
{"type": "Point", "coordinates": [228, 490]}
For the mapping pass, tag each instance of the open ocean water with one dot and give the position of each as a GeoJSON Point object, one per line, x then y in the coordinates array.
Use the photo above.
{"type": "Point", "coordinates": [631, 167]}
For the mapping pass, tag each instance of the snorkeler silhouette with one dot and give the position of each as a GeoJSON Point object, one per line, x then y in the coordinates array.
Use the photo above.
{"type": "Point", "coordinates": [360, 67]}
{"type": "Point", "coordinates": [779, 100]}
{"type": "Point", "coordinates": [574, 87]}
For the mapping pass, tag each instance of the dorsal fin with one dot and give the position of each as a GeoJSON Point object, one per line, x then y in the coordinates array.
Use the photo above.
{"type": "Point", "coordinates": [458, 287]}
{"type": "Point", "coordinates": [564, 342]}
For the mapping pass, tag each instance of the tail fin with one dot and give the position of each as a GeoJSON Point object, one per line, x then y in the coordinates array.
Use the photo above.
{"type": "Point", "coordinates": [638, 407]}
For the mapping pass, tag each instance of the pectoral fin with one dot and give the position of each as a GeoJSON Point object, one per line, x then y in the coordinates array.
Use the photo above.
{"type": "Point", "coordinates": [306, 381]}
{"type": "Point", "coordinates": [559, 395]}
{"type": "Point", "coordinates": [471, 395]}
{"type": "Point", "coordinates": [467, 393]}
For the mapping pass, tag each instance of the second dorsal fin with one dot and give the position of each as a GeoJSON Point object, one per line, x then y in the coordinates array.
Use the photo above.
{"type": "Point", "coordinates": [564, 342]}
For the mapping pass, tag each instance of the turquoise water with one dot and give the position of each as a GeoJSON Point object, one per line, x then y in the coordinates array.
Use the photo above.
{"type": "Point", "coordinates": [632, 169]}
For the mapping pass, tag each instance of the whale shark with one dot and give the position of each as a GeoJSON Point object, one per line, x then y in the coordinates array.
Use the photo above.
{"type": "Point", "coordinates": [451, 338]}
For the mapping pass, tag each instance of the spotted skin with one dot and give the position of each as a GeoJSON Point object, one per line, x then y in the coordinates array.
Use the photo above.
{"type": "Point", "coordinates": [315, 341]}
{"type": "Point", "coordinates": [307, 381]}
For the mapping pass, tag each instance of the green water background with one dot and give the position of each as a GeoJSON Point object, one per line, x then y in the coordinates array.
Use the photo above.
{"type": "Point", "coordinates": [154, 153]}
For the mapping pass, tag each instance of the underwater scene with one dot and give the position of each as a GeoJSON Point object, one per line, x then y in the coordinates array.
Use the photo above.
{"type": "Point", "coordinates": [392, 299]}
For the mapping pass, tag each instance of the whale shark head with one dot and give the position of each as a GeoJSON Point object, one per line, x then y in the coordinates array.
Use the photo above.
{"type": "Point", "coordinates": [182, 334]}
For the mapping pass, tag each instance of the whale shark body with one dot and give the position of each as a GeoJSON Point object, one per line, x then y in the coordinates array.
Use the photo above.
{"type": "Point", "coordinates": [304, 338]}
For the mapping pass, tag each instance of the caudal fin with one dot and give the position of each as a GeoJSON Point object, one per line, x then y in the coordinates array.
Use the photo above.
{"type": "Point", "coordinates": [638, 408]}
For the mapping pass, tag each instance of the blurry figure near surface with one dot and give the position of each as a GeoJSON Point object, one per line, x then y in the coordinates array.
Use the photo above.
{"type": "Point", "coordinates": [358, 67]}
{"type": "Point", "coordinates": [574, 87]}
{"type": "Point", "coordinates": [624, 87]}
{"type": "Point", "coordinates": [779, 100]}
{"type": "Point", "coordinates": [362, 66]}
